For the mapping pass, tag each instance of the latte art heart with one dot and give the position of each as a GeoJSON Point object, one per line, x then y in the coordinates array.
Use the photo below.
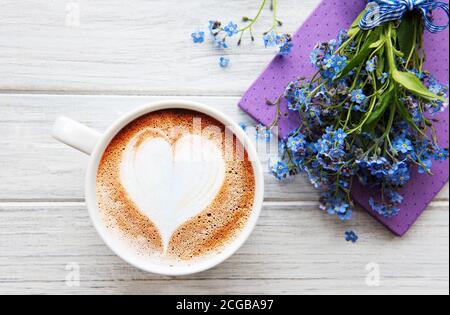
{"type": "Point", "coordinates": [174, 187]}
{"type": "Point", "coordinates": [171, 183]}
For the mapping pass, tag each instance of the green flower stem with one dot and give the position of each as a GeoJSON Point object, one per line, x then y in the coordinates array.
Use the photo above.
{"type": "Point", "coordinates": [422, 57]}
{"type": "Point", "coordinates": [275, 20]}
{"type": "Point", "coordinates": [255, 19]}
{"type": "Point", "coordinates": [372, 106]}
{"type": "Point", "coordinates": [386, 85]}
{"type": "Point", "coordinates": [390, 121]}
{"type": "Point", "coordinates": [357, 77]}
{"type": "Point", "coordinates": [358, 49]}
{"type": "Point", "coordinates": [420, 163]}
{"type": "Point", "coordinates": [413, 51]}
{"type": "Point", "coordinates": [350, 190]}
{"type": "Point", "coordinates": [338, 176]}
{"type": "Point", "coordinates": [352, 87]}
{"type": "Point", "coordinates": [349, 113]}
{"type": "Point", "coordinates": [390, 49]}
{"type": "Point", "coordinates": [314, 78]}
{"type": "Point", "coordinates": [386, 132]}
{"type": "Point", "coordinates": [317, 89]}
{"type": "Point", "coordinates": [277, 113]}
{"type": "Point", "coordinates": [387, 144]}
{"type": "Point", "coordinates": [242, 35]}
{"type": "Point", "coordinates": [346, 43]}
{"type": "Point", "coordinates": [380, 47]}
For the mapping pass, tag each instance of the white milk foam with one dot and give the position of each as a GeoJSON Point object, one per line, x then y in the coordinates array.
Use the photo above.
{"type": "Point", "coordinates": [171, 183]}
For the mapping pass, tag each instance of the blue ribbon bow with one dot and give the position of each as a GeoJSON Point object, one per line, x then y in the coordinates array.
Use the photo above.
{"type": "Point", "coordinates": [382, 11]}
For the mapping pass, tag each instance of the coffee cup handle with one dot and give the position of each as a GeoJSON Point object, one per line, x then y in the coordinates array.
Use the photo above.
{"type": "Point", "coordinates": [76, 135]}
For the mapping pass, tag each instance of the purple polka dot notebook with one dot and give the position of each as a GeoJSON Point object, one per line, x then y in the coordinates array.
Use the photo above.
{"type": "Point", "coordinates": [323, 24]}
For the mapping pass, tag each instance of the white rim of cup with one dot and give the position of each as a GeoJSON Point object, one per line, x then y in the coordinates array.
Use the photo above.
{"type": "Point", "coordinates": [202, 264]}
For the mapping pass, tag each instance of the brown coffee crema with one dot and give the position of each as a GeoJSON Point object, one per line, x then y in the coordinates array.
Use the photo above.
{"type": "Point", "coordinates": [204, 234]}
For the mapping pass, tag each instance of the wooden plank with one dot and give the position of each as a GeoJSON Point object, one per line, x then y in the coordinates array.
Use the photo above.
{"type": "Point", "coordinates": [35, 166]}
{"type": "Point", "coordinates": [131, 47]}
{"type": "Point", "coordinates": [295, 249]}
{"type": "Point", "coordinates": [413, 286]}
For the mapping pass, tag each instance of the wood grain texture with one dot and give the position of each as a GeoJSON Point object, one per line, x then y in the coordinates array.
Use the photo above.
{"type": "Point", "coordinates": [48, 170]}
{"type": "Point", "coordinates": [124, 54]}
{"type": "Point", "coordinates": [131, 47]}
{"type": "Point", "coordinates": [26, 124]}
{"type": "Point", "coordinates": [295, 249]}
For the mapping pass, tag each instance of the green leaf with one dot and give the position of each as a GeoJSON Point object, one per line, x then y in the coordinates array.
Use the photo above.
{"type": "Point", "coordinates": [378, 43]}
{"type": "Point", "coordinates": [407, 34]}
{"type": "Point", "coordinates": [381, 62]}
{"type": "Point", "coordinates": [412, 83]}
{"type": "Point", "coordinates": [399, 53]}
{"type": "Point", "coordinates": [385, 102]}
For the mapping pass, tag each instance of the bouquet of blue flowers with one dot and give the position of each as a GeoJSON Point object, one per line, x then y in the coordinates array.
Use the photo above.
{"type": "Point", "coordinates": [368, 112]}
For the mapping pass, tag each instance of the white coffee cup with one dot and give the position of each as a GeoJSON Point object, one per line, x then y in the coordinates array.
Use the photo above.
{"type": "Point", "coordinates": [94, 144]}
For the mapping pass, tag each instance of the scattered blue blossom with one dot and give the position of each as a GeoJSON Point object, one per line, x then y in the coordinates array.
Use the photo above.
{"type": "Point", "coordinates": [286, 48]}
{"type": "Point", "coordinates": [270, 39]}
{"type": "Point", "coordinates": [263, 133]}
{"type": "Point", "coordinates": [224, 62]}
{"type": "Point", "coordinates": [214, 27]}
{"type": "Point", "coordinates": [279, 169]}
{"type": "Point", "coordinates": [231, 29]}
{"type": "Point", "coordinates": [350, 236]}
{"type": "Point", "coordinates": [198, 37]}
{"type": "Point", "coordinates": [222, 33]}
{"type": "Point", "coordinates": [266, 135]}
{"type": "Point", "coordinates": [220, 43]}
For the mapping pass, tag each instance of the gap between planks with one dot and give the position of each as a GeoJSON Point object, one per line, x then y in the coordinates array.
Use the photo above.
{"type": "Point", "coordinates": [79, 201]}
{"type": "Point", "coordinates": [118, 93]}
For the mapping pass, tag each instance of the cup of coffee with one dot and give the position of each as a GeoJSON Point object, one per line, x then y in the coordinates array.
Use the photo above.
{"type": "Point", "coordinates": [173, 188]}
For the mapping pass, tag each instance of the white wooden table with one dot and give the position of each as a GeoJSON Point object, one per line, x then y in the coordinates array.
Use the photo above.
{"type": "Point", "coordinates": [93, 60]}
